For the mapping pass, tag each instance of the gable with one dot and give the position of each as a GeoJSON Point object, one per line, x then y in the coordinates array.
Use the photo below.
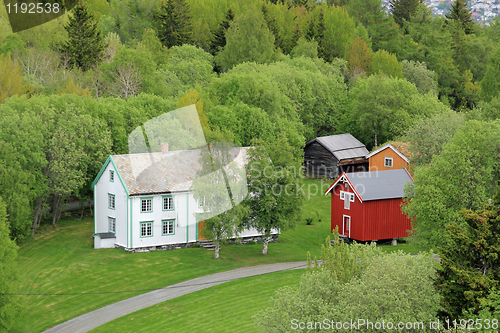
{"type": "Point", "coordinates": [392, 149]}
{"type": "Point", "coordinates": [117, 174]}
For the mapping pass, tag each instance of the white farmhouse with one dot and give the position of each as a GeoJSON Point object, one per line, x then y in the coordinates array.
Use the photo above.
{"type": "Point", "coordinates": [144, 201]}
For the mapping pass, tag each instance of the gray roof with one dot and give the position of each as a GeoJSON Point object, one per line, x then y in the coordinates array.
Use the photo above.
{"type": "Point", "coordinates": [164, 172]}
{"type": "Point", "coordinates": [342, 146]}
{"type": "Point", "coordinates": [376, 185]}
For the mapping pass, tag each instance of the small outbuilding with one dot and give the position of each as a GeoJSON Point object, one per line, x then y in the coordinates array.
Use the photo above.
{"type": "Point", "coordinates": [329, 156]}
{"type": "Point", "coordinates": [387, 157]}
{"type": "Point", "coordinates": [366, 206]}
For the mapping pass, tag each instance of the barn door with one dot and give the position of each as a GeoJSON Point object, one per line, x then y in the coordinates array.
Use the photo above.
{"type": "Point", "coordinates": [346, 230]}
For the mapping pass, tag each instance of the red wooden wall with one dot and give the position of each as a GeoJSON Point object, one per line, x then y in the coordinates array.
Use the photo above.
{"type": "Point", "coordinates": [370, 220]}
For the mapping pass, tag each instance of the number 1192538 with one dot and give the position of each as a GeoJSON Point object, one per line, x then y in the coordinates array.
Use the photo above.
{"type": "Point", "coordinates": [33, 8]}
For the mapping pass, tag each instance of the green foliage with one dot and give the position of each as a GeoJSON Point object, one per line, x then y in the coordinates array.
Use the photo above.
{"type": "Point", "coordinates": [53, 145]}
{"type": "Point", "coordinates": [417, 73]}
{"type": "Point", "coordinates": [173, 21]}
{"type": "Point", "coordinates": [84, 48]}
{"type": "Point", "coordinates": [356, 281]}
{"type": "Point", "coordinates": [219, 36]}
{"type": "Point", "coordinates": [461, 14]}
{"type": "Point", "coordinates": [384, 62]}
{"type": "Point", "coordinates": [274, 179]}
{"type": "Point", "coordinates": [305, 49]}
{"type": "Point", "coordinates": [460, 177]}
{"type": "Point", "coordinates": [470, 263]}
{"type": "Point", "coordinates": [381, 108]}
{"type": "Point", "coordinates": [153, 44]}
{"type": "Point", "coordinates": [11, 80]}
{"type": "Point", "coordinates": [428, 135]}
{"type": "Point", "coordinates": [10, 305]}
{"type": "Point", "coordinates": [403, 10]}
{"type": "Point", "coordinates": [248, 39]}
{"type": "Point", "coordinates": [129, 19]}
{"type": "Point", "coordinates": [339, 32]}
{"type": "Point", "coordinates": [12, 42]}
{"type": "Point", "coordinates": [490, 85]}
{"type": "Point", "coordinates": [15, 189]}
{"type": "Point", "coordinates": [396, 287]}
{"type": "Point", "coordinates": [359, 56]}
{"type": "Point", "coordinates": [191, 65]}
{"type": "Point", "coordinates": [489, 110]}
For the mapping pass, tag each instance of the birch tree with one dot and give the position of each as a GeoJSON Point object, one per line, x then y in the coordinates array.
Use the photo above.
{"type": "Point", "coordinates": [219, 190]}
{"type": "Point", "coordinates": [274, 198]}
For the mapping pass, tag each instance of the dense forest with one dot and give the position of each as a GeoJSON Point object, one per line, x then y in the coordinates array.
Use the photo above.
{"type": "Point", "coordinates": [73, 89]}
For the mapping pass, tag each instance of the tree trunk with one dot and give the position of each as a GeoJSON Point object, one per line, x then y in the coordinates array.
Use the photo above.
{"type": "Point", "coordinates": [37, 214]}
{"type": "Point", "coordinates": [55, 209]}
{"type": "Point", "coordinates": [216, 251]}
{"type": "Point", "coordinates": [264, 248]}
{"type": "Point", "coordinates": [375, 139]}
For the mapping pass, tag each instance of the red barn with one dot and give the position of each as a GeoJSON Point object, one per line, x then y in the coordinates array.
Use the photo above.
{"type": "Point", "coordinates": [366, 205]}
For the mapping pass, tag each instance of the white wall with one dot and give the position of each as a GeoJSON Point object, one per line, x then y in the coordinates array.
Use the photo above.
{"type": "Point", "coordinates": [101, 190]}
{"type": "Point", "coordinates": [185, 229]}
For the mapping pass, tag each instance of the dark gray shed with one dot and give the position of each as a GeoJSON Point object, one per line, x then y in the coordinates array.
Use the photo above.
{"type": "Point", "coordinates": [329, 156]}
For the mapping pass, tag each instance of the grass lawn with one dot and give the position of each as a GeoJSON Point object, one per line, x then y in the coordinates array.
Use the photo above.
{"type": "Point", "coordinates": [225, 308]}
{"type": "Point", "coordinates": [63, 260]}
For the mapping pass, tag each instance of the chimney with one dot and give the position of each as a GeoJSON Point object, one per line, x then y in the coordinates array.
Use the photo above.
{"type": "Point", "coordinates": [164, 148]}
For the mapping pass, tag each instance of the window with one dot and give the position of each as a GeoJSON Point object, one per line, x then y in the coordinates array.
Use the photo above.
{"type": "Point", "coordinates": [388, 162]}
{"type": "Point", "coordinates": [347, 202]}
{"type": "Point", "coordinates": [168, 227]}
{"type": "Point", "coordinates": [111, 224]}
{"type": "Point", "coordinates": [168, 203]}
{"type": "Point", "coordinates": [146, 229]}
{"type": "Point", "coordinates": [146, 205]}
{"type": "Point", "coordinates": [111, 175]}
{"type": "Point", "coordinates": [111, 201]}
{"type": "Point", "coordinates": [349, 195]}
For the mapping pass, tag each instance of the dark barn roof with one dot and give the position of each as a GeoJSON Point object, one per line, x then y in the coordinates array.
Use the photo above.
{"type": "Point", "coordinates": [342, 146]}
{"type": "Point", "coordinates": [376, 185]}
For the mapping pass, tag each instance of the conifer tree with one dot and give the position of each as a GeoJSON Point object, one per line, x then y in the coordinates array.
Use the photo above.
{"type": "Point", "coordinates": [219, 36]}
{"type": "Point", "coordinates": [273, 27]}
{"type": "Point", "coordinates": [461, 13]}
{"type": "Point", "coordinates": [174, 23]}
{"type": "Point", "coordinates": [402, 10]}
{"type": "Point", "coordinates": [85, 47]}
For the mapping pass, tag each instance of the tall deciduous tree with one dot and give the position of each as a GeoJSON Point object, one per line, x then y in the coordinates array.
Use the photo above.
{"type": "Point", "coordinates": [174, 23]}
{"type": "Point", "coordinates": [461, 14]}
{"type": "Point", "coordinates": [463, 175]}
{"type": "Point", "coordinates": [85, 47]}
{"type": "Point", "coordinates": [386, 63]}
{"type": "Point", "coordinates": [10, 305]}
{"type": "Point", "coordinates": [359, 56]}
{"type": "Point", "coordinates": [274, 198]}
{"type": "Point", "coordinates": [248, 39]}
{"type": "Point", "coordinates": [417, 73]}
{"type": "Point", "coordinates": [470, 263]}
{"type": "Point", "coordinates": [219, 189]}
{"type": "Point", "coordinates": [11, 80]}
{"type": "Point", "coordinates": [403, 10]}
{"type": "Point", "coordinates": [490, 85]}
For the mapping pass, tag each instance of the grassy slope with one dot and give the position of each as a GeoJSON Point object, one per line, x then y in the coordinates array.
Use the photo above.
{"type": "Point", "coordinates": [64, 261]}
{"type": "Point", "coordinates": [225, 308]}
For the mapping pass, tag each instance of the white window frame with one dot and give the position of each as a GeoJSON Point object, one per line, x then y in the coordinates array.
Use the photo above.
{"type": "Point", "coordinates": [111, 224]}
{"type": "Point", "coordinates": [170, 224]}
{"type": "Point", "coordinates": [111, 201]}
{"type": "Point", "coordinates": [388, 159]}
{"type": "Point", "coordinates": [342, 196]}
{"type": "Point", "coordinates": [167, 199]}
{"type": "Point", "coordinates": [148, 229]}
{"type": "Point", "coordinates": [146, 206]}
{"type": "Point", "coordinates": [343, 230]}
